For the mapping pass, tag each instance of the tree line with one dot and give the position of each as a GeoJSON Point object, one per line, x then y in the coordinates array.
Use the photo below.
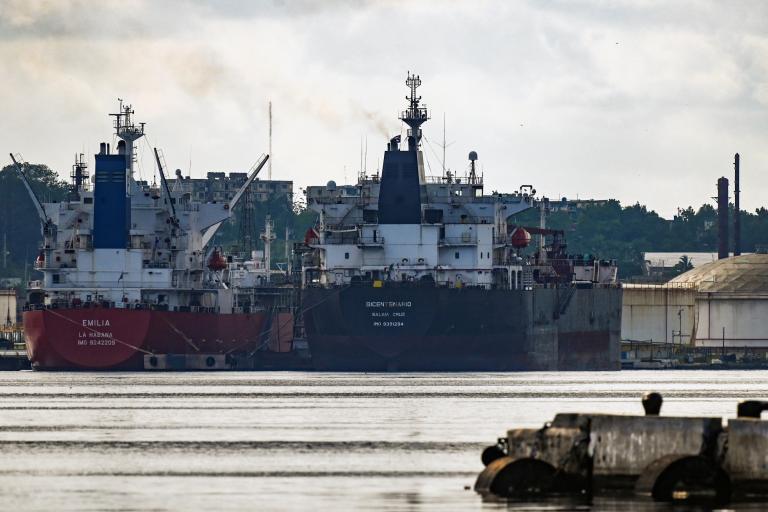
{"type": "Point", "coordinates": [624, 233]}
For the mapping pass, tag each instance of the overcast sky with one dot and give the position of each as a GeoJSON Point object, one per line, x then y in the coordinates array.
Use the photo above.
{"type": "Point", "coordinates": [638, 100]}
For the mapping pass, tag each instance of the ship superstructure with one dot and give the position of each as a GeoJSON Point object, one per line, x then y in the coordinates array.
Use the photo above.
{"type": "Point", "coordinates": [406, 226]}
{"type": "Point", "coordinates": [128, 271]}
{"type": "Point", "coordinates": [400, 249]}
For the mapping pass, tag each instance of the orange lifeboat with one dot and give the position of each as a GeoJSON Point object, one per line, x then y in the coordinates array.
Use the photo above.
{"type": "Point", "coordinates": [40, 260]}
{"type": "Point", "coordinates": [217, 261]}
{"type": "Point", "coordinates": [520, 238]}
{"type": "Point", "coordinates": [311, 236]}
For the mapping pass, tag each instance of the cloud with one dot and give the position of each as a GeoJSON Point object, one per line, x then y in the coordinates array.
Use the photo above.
{"type": "Point", "coordinates": [641, 100]}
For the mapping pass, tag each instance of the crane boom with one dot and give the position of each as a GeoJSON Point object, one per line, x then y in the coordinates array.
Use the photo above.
{"type": "Point", "coordinates": [165, 184]}
{"type": "Point", "coordinates": [208, 235]}
{"type": "Point", "coordinates": [38, 205]}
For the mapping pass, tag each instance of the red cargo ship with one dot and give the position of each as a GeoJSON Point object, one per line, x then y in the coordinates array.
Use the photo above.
{"type": "Point", "coordinates": [129, 281]}
{"type": "Point", "coordinates": [120, 339]}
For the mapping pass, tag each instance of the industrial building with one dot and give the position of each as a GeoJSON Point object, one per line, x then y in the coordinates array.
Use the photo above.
{"type": "Point", "coordinates": [218, 186]}
{"type": "Point", "coordinates": [574, 205]}
{"type": "Point", "coordinates": [722, 304]}
{"type": "Point", "coordinates": [731, 302]}
{"type": "Point", "coordinates": [660, 267]}
{"type": "Point", "coordinates": [718, 305]}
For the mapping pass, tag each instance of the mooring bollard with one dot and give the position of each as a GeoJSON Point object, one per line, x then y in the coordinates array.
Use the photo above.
{"type": "Point", "coordinates": [751, 408]}
{"type": "Point", "coordinates": [652, 403]}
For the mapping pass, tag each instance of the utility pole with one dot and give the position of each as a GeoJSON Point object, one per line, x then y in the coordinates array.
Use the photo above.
{"type": "Point", "coordinates": [736, 209]}
{"type": "Point", "coordinates": [443, 143]}
{"type": "Point", "coordinates": [723, 341]}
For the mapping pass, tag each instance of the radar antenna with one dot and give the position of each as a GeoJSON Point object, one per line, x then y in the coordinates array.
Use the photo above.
{"type": "Point", "coordinates": [79, 175]}
{"type": "Point", "coordinates": [416, 114]}
{"type": "Point", "coordinates": [127, 130]}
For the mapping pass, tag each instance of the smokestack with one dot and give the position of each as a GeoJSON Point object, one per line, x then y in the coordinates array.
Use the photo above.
{"type": "Point", "coordinates": [736, 211]}
{"type": "Point", "coordinates": [722, 218]}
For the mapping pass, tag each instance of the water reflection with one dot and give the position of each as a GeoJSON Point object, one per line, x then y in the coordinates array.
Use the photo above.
{"type": "Point", "coordinates": [277, 441]}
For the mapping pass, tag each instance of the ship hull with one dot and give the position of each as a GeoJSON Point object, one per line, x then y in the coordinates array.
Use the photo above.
{"type": "Point", "coordinates": [362, 328]}
{"type": "Point", "coordinates": [122, 339]}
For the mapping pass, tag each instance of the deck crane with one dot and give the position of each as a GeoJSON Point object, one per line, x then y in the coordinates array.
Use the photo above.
{"type": "Point", "coordinates": [208, 235]}
{"type": "Point", "coordinates": [46, 223]}
{"type": "Point", "coordinates": [166, 190]}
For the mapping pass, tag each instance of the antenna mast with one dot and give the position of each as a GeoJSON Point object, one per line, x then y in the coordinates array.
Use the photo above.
{"type": "Point", "coordinates": [268, 236]}
{"type": "Point", "coordinates": [126, 130]}
{"type": "Point", "coordinates": [269, 163]}
{"type": "Point", "coordinates": [79, 175]}
{"type": "Point", "coordinates": [415, 115]}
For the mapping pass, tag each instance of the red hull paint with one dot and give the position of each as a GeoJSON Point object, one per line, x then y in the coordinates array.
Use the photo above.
{"type": "Point", "coordinates": [109, 339]}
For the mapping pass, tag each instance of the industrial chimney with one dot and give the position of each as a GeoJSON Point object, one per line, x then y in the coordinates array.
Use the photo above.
{"type": "Point", "coordinates": [722, 218]}
{"type": "Point", "coordinates": [736, 211]}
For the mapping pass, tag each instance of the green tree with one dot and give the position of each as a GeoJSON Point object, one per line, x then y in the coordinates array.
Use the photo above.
{"type": "Point", "coordinates": [682, 266]}
{"type": "Point", "coordinates": [19, 222]}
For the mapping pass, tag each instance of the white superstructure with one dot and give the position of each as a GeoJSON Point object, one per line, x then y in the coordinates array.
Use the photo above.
{"type": "Point", "coordinates": [401, 225]}
{"type": "Point", "coordinates": [156, 258]}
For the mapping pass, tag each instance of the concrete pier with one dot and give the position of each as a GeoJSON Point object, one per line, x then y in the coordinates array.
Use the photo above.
{"type": "Point", "coordinates": [664, 458]}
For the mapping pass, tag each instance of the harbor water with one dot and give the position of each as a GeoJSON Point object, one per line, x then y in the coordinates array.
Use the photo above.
{"type": "Point", "coordinates": [303, 441]}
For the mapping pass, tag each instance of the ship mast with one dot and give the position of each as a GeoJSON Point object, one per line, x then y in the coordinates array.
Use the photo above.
{"type": "Point", "coordinates": [268, 236]}
{"type": "Point", "coordinates": [79, 176]}
{"type": "Point", "coordinates": [127, 131]}
{"type": "Point", "coordinates": [415, 115]}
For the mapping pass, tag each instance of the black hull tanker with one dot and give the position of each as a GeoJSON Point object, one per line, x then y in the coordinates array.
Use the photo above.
{"type": "Point", "coordinates": [406, 272]}
{"type": "Point", "coordinates": [362, 328]}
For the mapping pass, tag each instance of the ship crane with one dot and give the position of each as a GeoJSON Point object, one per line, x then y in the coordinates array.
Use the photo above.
{"type": "Point", "coordinates": [211, 231]}
{"type": "Point", "coordinates": [45, 220]}
{"type": "Point", "coordinates": [167, 190]}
